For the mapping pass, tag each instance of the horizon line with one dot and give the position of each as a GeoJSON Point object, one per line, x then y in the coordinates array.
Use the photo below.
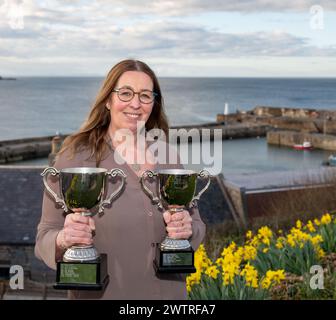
{"type": "Point", "coordinates": [173, 77]}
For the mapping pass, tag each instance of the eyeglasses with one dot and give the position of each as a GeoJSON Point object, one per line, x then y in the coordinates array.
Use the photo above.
{"type": "Point", "coordinates": [127, 94]}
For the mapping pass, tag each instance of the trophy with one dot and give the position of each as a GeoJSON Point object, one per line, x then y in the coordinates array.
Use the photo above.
{"type": "Point", "coordinates": [83, 268]}
{"type": "Point", "coordinates": [175, 192]}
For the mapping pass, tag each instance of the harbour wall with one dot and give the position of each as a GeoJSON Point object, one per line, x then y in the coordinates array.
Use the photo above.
{"type": "Point", "coordinates": [289, 126]}
{"type": "Point", "coordinates": [281, 126]}
{"type": "Point", "coordinates": [41, 147]}
{"type": "Point", "coordinates": [290, 138]}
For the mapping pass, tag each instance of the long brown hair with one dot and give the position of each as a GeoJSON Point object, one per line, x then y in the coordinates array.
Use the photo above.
{"type": "Point", "coordinates": [93, 131]}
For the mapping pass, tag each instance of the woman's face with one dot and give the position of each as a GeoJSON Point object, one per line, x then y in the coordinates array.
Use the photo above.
{"type": "Point", "coordinates": [125, 115]}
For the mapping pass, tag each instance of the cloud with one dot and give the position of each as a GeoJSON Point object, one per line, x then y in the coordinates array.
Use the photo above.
{"type": "Point", "coordinates": [153, 39]}
{"type": "Point", "coordinates": [73, 32]}
{"type": "Point", "coordinates": [78, 14]}
{"type": "Point", "coordinates": [93, 10]}
{"type": "Point", "coordinates": [184, 7]}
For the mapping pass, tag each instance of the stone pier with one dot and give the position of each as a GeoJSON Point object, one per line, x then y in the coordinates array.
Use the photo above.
{"type": "Point", "coordinates": [289, 138]}
{"type": "Point", "coordinates": [289, 126]}
{"type": "Point", "coordinates": [43, 147]}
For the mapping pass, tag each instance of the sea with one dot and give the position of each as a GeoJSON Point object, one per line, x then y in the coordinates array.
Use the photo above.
{"type": "Point", "coordinates": [42, 106]}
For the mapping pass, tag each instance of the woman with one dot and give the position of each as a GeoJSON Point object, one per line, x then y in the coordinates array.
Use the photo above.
{"type": "Point", "coordinates": [128, 101]}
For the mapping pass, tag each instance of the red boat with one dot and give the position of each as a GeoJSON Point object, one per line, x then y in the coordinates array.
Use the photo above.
{"type": "Point", "coordinates": [305, 146]}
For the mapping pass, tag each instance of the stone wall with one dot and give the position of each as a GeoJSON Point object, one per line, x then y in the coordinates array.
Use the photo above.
{"type": "Point", "coordinates": [289, 138]}
{"type": "Point", "coordinates": [24, 149]}
{"type": "Point", "coordinates": [309, 120]}
{"type": "Point", "coordinates": [284, 112]}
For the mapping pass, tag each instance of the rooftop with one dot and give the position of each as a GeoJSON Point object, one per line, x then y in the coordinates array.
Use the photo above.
{"type": "Point", "coordinates": [21, 193]}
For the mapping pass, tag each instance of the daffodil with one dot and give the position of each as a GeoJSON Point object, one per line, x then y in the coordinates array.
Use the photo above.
{"type": "Point", "coordinates": [265, 232]}
{"type": "Point", "coordinates": [249, 234]}
{"type": "Point", "coordinates": [272, 278]}
{"type": "Point", "coordinates": [266, 283]}
{"type": "Point", "coordinates": [251, 276]}
{"type": "Point", "coordinates": [320, 253]}
{"type": "Point", "coordinates": [326, 219]}
{"type": "Point", "coordinates": [310, 227]}
{"type": "Point", "coordinates": [202, 263]}
{"type": "Point", "coordinates": [280, 242]}
{"type": "Point", "coordinates": [250, 253]}
{"type": "Point", "coordinates": [317, 222]}
{"type": "Point", "coordinates": [212, 272]}
{"type": "Point", "coordinates": [299, 224]}
{"type": "Point", "coordinates": [316, 239]}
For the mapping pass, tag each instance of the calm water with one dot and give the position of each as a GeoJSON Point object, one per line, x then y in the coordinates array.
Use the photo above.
{"type": "Point", "coordinates": [41, 106]}
{"type": "Point", "coordinates": [246, 156]}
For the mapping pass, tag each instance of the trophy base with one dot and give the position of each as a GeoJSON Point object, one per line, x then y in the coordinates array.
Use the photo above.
{"type": "Point", "coordinates": [88, 275]}
{"type": "Point", "coordinates": [174, 261]}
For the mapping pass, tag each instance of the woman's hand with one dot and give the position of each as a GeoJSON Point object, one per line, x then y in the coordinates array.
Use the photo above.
{"type": "Point", "coordinates": [77, 230]}
{"type": "Point", "coordinates": [178, 224]}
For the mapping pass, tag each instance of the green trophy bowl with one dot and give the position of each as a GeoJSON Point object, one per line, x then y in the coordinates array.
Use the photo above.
{"type": "Point", "coordinates": [82, 189]}
{"type": "Point", "coordinates": [175, 192]}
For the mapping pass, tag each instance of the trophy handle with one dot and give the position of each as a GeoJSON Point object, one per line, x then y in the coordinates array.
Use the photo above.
{"type": "Point", "coordinates": [151, 195]}
{"type": "Point", "coordinates": [203, 174]}
{"type": "Point", "coordinates": [113, 173]}
{"type": "Point", "coordinates": [54, 172]}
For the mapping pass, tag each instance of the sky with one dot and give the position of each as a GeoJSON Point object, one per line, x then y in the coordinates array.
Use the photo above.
{"type": "Point", "coordinates": [176, 38]}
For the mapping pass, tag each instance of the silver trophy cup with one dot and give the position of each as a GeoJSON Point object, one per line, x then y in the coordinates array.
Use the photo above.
{"type": "Point", "coordinates": [82, 189]}
{"type": "Point", "coordinates": [176, 190]}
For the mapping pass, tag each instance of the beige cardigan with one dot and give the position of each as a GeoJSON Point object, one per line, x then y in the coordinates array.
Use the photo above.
{"type": "Point", "coordinates": [127, 233]}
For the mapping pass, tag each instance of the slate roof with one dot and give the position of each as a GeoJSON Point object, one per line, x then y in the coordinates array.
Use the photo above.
{"type": "Point", "coordinates": [21, 192]}
{"type": "Point", "coordinates": [212, 205]}
{"type": "Point", "coordinates": [278, 179]}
